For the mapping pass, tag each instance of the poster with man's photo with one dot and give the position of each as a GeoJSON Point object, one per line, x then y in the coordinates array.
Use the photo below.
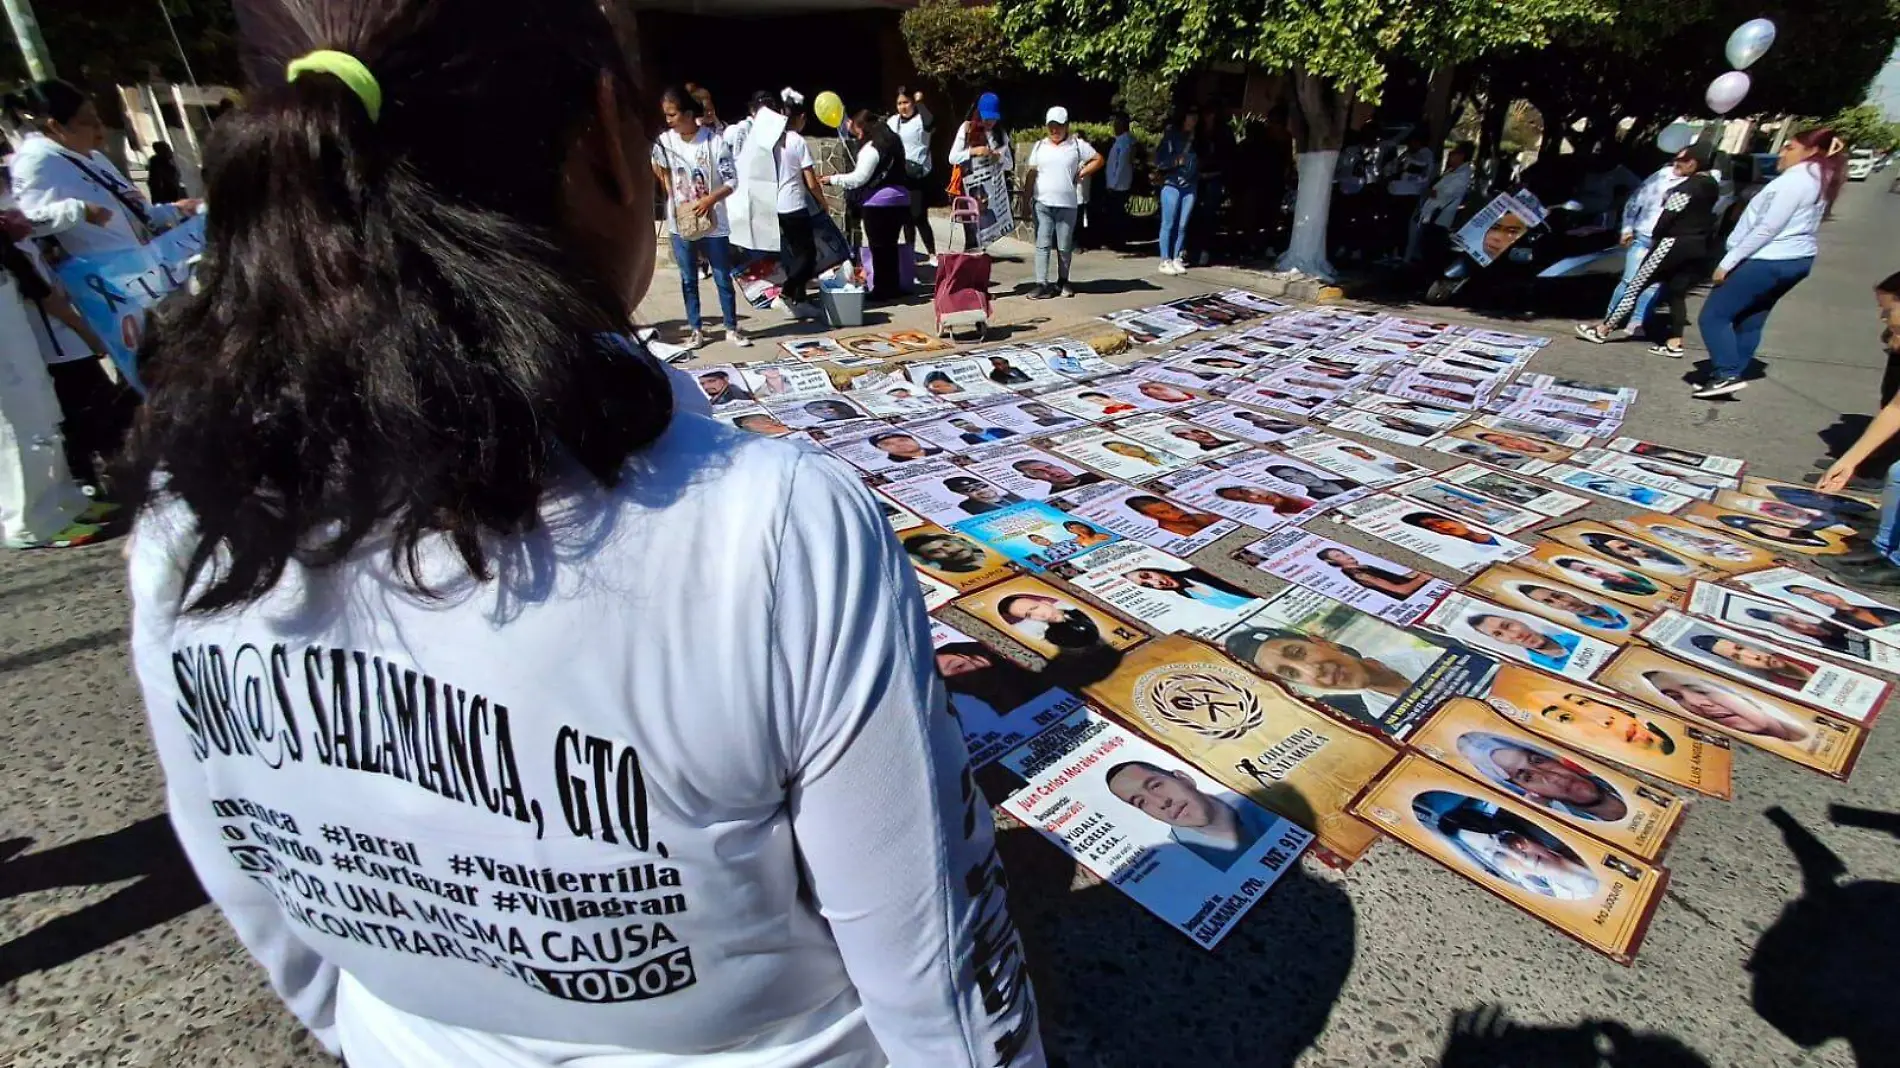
{"type": "Point", "coordinates": [1236, 421]}
{"type": "Point", "coordinates": [1072, 358]}
{"type": "Point", "coordinates": [1513, 490]}
{"type": "Point", "coordinates": [891, 396]}
{"type": "Point", "coordinates": [945, 494]}
{"type": "Point", "coordinates": [1393, 428]}
{"type": "Point", "coordinates": [1361, 463]}
{"type": "Point", "coordinates": [1163, 593]}
{"type": "Point", "coordinates": [1351, 576]}
{"type": "Point", "coordinates": [1018, 368]}
{"type": "Point", "coordinates": [1629, 550]}
{"type": "Point", "coordinates": [1580, 608]}
{"type": "Point", "coordinates": [1469, 505]}
{"type": "Point", "coordinates": [963, 431]}
{"type": "Point", "coordinates": [1520, 636]}
{"type": "Point", "coordinates": [881, 449]}
{"type": "Point", "coordinates": [1716, 553]}
{"type": "Point", "coordinates": [1432, 534]}
{"type": "Point", "coordinates": [1775, 535]}
{"type": "Point", "coordinates": [1037, 535]}
{"type": "Point", "coordinates": [1177, 436]}
{"type": "Point", "coordinates": [1032, 419]}
{"type": "Point", "coordinates": [1770, 618]}
{"type": "Point", "coordinates": [999, 703]}
{"type": "Point", "coordinates": [1794, 676]}
{"type": "Point", "coordinates": [1029, 472]}
{"type": "Point", "coordinates": [1681, 481]}
{"type": "Point", "coordinates": [1598, 894]}
{"type": "Point", "coordinates": [1851, 609]}
{"type": "Point", "coordinates": [1567, 439]}
{"type": "Point", "coordinates": [1116, 454]}
{"type": "Point", "coordinates": [1151, 825]}
{"type": "Point", "coordinates": [954, 559]}
{"type": "Point", "coordinates": [1250, 735]}
{"type": "Point", "coordinates": [1359, 666]}
{"type": "Point", "coordinates": [958, 378]}
{"type": "Point", "coordinates": [1147, 517]}
{"type": "Point", "coordinates": [995, 216]}
{"type": "Point", "coordinates": [1048, 621]}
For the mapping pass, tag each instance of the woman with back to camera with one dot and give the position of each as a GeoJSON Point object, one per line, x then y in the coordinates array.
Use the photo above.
{"type": "Point", "coordinates": [878, 189]}
{"type": "Point", "coordinates": [409, 486]}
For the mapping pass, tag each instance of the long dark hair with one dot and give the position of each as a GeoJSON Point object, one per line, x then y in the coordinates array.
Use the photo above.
{"type": "Point", "coordinates": [393, 330]}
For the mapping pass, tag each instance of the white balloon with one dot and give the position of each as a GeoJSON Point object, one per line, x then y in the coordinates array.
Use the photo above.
{"type": "Point", "coordinates": [1726, 92]}
{"type": "Point", "coordinates": [1676, 138]}
{"type": "Point", "coordinates": [1750, 41]}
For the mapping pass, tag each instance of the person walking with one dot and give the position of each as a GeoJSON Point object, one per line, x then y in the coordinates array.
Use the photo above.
{"type": "Point", "coordinates": [913, 124]}
{"type": "Point", "coordinates": [1118, 180]}
{"type": "Point", "coordinates": [696, 174]}
{"type": "Point", "coordinates": [879, 189]}
{"type": "Point", "coordinates": [1411, 180]}
{"type": "Point", "coordinates": [798, 191]}
{"type": "Point", "coordinates": [1640, 212]}
{"type": "Point", "coordinates": [1058, 166]}
{"type": "Point", "coordinates": [1677, 260]}
{"type": "Point", "coordinates": [1178, 168]}
{"type": "Point", "coordinates": [1770, 251]}
{"type": "Point", "coordinates": [515, 619]}
{"type": "Point", "coordinates": [981, 151]}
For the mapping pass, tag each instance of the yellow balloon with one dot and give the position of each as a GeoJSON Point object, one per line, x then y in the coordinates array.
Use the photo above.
{"type": "Point", "coordinates": [829, 108]}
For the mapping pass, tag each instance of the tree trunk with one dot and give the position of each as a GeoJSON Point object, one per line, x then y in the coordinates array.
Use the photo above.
{"type": "Point", "coordinates": [1438, 105]}
{"type": "Point", "coordinates": [1320, 123]}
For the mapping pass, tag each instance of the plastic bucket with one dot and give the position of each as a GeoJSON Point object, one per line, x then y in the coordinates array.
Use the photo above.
{"type": "Point", "coordinates": [843, 307]}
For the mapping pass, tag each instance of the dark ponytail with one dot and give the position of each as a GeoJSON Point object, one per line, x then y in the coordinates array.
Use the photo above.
{"type": "Point", "coordinates": [395, 330]}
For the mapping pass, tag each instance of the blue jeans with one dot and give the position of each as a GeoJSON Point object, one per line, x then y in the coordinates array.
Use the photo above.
{"type": "Point", "coordinates": [1890, 518]}
{"type": "Point", "coordinates": [1055, 227]}
{"type": "Point", "coordinates": [1638, 249]}
{"type": "Point", "coordinates": [1177, 204]}
{"type": "Point", "coordinates": [1732, 318]}
{"type": "Point", "coordinates": [718, 252]}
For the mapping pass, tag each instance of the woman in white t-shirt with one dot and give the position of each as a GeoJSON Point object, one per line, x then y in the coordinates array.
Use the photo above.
{"type": "Point", "coordinates": [799, 194]}
{"type": "Point", "coordinates": [1059, 166]}
{"type": "Point", "coordinates": [514, 712]}
{"type": "Point", "coordinates": [914, 124]}
{"type": "Point", "coordinates": [697, 175]}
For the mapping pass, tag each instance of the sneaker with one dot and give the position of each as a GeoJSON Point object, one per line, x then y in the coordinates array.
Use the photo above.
{"type": "Point", "coordinates": [98, 512]}
{"type": "Point", "coordinates": [1068, 290]}
{"type": "Point", "coordinates": [930, 260]}
{"type": "Point", "coordinates": [74, 535]}
{"type": "Point", "coordinates": [737, 337]}
{"type": "Point", "coordinates": [1665, 350]}
{"type": "Point", "coordinates": [1180, 265]}
{"type": "Point", "coordinates": [1592, 333]}
{"type": "Point", "coordinates": [1043, 292]}
{"type": "Point", "coordinates": [695, 339]}
{"type": "Point", "coordinates": [1168, 267]}
{"type": "Point", "coordinates": [1719, 387]}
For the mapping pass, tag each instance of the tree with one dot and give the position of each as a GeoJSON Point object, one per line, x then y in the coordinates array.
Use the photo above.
{"type": "Point", "coordinates": [1864, 126]}
{"type": "Point", "coordinates": [1334, 51]}
{"type": "Point", "coordinates": [1147, 98]}
{"type": "Point", "coordinates": [101, 43]}
{"type": "Point", "coordinates": [958, 47]}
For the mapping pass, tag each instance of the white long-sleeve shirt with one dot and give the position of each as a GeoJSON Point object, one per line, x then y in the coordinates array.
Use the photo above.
{"type": "Point", "coordinates": [53, 186]}
{"type": "Point", "coordinates": [915, 133]}
{"type": "Point", "coordinates": [1643, 207]}
{"type": "Point", "coordinates": [1782, 222]}
{"type": "Point", "coordinates": [856, 177]}
{"type": "Point", "coordinates": [682, 791]}
{"type": "Point", "coordinates": [1002, 156]}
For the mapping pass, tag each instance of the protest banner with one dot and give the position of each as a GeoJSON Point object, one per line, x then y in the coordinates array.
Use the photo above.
{"type": "Point", "coordinates": [116, 290]}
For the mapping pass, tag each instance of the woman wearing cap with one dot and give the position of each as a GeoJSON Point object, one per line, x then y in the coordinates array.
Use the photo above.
{"type": "Point", "coordinates": [1058, 166]}
{"type": "Point", "coordinates": [631, 714]}
{"type": "Point", "coordinates": [981, 147]}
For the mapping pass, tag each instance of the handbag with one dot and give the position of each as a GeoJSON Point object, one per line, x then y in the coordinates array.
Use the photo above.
{"type": "Point", "coordinates": [692, 227]}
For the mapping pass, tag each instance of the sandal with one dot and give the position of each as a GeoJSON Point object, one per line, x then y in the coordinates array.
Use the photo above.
{"type": "Point", "coordinates": [1592, 333]}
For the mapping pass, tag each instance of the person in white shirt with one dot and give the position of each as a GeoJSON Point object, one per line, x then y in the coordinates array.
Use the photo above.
{"type": "Point", "coordinates": [696, 174]}
{"type": "Point", "coordinates": [1439, 212]}
{"type": "Point", "coordinates": [67, 187]}
{"type": "Point", "coordinates": [1640, 213]}
{"type": "Point", "coordinates": [1058, 166]}
{"type": "Point", "coordinates": [1119, 179]}
{"type": "Point", "coordinates": [913, 124]}
{"type": "Point", "coordinates": [1770, 251]}
{"type": "Point", "coordinates": [798, 192]}
{"type": "Point", "coordinates": [515, 713]}
{"type": "Point", "coordinates": [982, 150]}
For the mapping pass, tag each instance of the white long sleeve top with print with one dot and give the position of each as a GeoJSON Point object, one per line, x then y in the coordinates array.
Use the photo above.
{"type": "Point", "coordinates": [1643, 207]}
{"type": "Point", "coordinates": [1783, 222]}
{"type": "Point", "coordinates": [53, 186]}
{"type": "Point", "coordinates": [682, 791]}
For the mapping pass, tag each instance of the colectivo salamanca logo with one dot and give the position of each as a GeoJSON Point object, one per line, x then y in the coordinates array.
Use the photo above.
{"type": "Point", "coordinates": [1213, 700]}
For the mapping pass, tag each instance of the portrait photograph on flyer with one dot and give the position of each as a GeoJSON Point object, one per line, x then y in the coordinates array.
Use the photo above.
{"type": "Point", "coordinates": [1163, 593]}
{"type": "Point", "coordinates": [1581, 609]}
{"type": "Point", "coordinates": [1520, 636]}
{"type": "Point", "coordinates": [1351, 576]}
{"type": "Point", "coordinates": [1849, 608]}
{"type": "Point", "coordinates": [1795, 676]}
{"type": "Point", "coordinates": [1782, 622]}
{"type": "Point", "coordinates": [999, 703]}
{"type": "Point", "coordinates": [1444, 539]}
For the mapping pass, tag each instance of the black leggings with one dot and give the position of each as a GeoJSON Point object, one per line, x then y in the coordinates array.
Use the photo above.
{"type": "Point", "coordinates": [881, 229]}
{"type": "Point", "coordinates": [917, 227]}
{"type": "Point", "coordinates": [797, 254]}
{"type": "Point", "coordinates": [97, 414]}
{"type": "Point", "coordinates": [1677, 266]}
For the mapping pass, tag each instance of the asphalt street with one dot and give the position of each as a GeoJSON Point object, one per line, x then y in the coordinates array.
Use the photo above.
{"type": "Point", "coordinates": [109, 957]}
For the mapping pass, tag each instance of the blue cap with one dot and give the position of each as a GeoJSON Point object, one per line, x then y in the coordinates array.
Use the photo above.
{"type": "Point", "coordinates": [988, 108]}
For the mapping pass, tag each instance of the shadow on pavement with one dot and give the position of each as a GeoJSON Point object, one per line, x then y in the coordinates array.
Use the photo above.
{"type": "Point", "coordinates": [61, 649]}
{"type": "Point", "coordinates": [1485, 1038]}
{"type": "Point", "coordinates": [1830, 966]}
{"type": "Point", "coordinates": [146, 851]}
{"type": "Point", "coordinates": [1117, 988]}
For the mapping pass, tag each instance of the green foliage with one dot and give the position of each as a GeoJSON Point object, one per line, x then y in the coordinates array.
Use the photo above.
{"type": "Point", "coordinates": [957, 45]}
{"type": "Point", "coordinates": [99, 43]}
{"type": "Point", "coordinates": [1863, 126]}
{"type": "Point", "coordinates": [1147, 97]}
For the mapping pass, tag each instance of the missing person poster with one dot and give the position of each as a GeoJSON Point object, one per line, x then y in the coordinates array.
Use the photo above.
{"type": "Point", "coordinates": [1519, 636]}
{"type": "Point", "coordinates": [1147, 517]}
{"type": "Point", "coordinates": [1597, 574]}
{"type": "Point", "coordinates": [888, 396]}
{"type": "Point", "coordinates": [1607, 804]}
{"type": "Point", "coordinates": [807, 413]}
{"type": "Point", "coordinates": [1620, 490]}
{"type": "Point", "coordinates": [1150, 825]}
{"type": "Point", "coordinates": [962, 432]}
{"type": "Point", "coordinates": [1106, 398]}
{"type": "Point", "coordinates": [1351, 576]}
{"type": "Point", "coordinates": [1539, 447]}
{"type": "Point", "coordinates": [999, 703]}
{"type": "Point", "coordinates": [946, 494]}
{"type": "Point", "coordinates": [1811, 739]}
{"type": "Point", "coordinates": [1261, 501]}
{"type": "Point", "coordinates": [1457, 443]}
{"type": "Point", "coordinates": [1048, 621]}
{"type": "Point", "coordinates": [1116, 455]}
{"type": "Point", "coordinates": [1791, 515]}
{"type": "Point", "coordinates": [1716, 551]}
{"type": "Point", "coordinates": [1072, 358]}
{"type": "Point", "coordinates": [771, 383]}
{"type": "Point", "coordinates": [1595, 893]}
{"type": "Point", "coordinates": [1769, 618]}
{"type": "Point", "coordinates": [1489, 234]}
{"type": "Point", "coordinates": [1250, 735]}
{"type": "Point", "coordinates": [1355, 664]}
{"type": "Point", "coordinates": [956, 560]}
{"type": "Point", "coordinates": [1392, 428]}
{"type": "Point", "coordinates": [1163, 593]}
{"type": "Point", "coordinates": [1841, 505]}
{"type": "Point", "coordinates": [1017, 368]}
{"type": "Point", "coordinates": [1030, 473]}
{"type": "Point", "coordinates": [1510, 489]}
{"type": "Point", "coordinates": [1633, 550]}
{"type": "Point", "coordinates": [1470, 505]}
{"type": "Point", "coordinates": [1773, 534]}
{"type": "Point", "coordinates": [1430, 533]}
{"type": "Point", "coordinates": [1030, 418]}
{"type": "Point", "coordinates": [882, 449]}
{"type": "Point", "coordinates": [1177, 436]}
{"type": "Point", "coordinates": [1360, 463]}
{"type": "Point", "coordinates": [1235, 421]}
{"type": "Point", "coordinates": [1836, 603]}
{"type": "Point", "coordinates": [989, 187]}
{"type": "Point", "coordinates": [1436, 416]}
{"type": "Point", "coordinates": [954, 379]}
{"type": "Point", "coordinates": [1781, 671]}
{"type": "Point", "coordinates": [1615, 729]}
{"type": "Point", "coordinates": [1584, 610]}
{"type": "Point", "coordinates": [1682, 481]}
{"type": "Point", "coordinates": [1036, 535]}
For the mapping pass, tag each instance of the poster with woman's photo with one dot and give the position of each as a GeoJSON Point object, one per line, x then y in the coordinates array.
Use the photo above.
{"type": "Point", "coordinates": [999, 703]}
{"type": "Point", "coordinates": [1036, 535]}
{"type": "Point", "coordinates": [1351, 576]}
{"type": "Point", "coordinates": [956, 560]}
{"type": "Point", "coordinates": [1816, 740]}
{"type": "Point", "coordinates": [1117, 455]}
{"type": "Point", "coordinates": [1510, 489]}
{"type": "Point", "coordinates": [1149, 824]}
{"type": "Point", "coordinates": [1049, 621]}
{"type": "Point", "coordinates": [1029, 472]}
{"type": "Point", "coordinates": [1601, 801]}
{"type": "Point", "coordinates": [1851, 609]}
{"type": "Point", "coordinates": [1682, 481]}
{"type": "Point", "coordinates": [957, 379]}
{"type": "Point", "coordinates": [1163, 593]}
{"type": "Point", "coordinates": [1801, 677]}
{"type": "Point", "coordinates": [1174, 435]}
{"type": "Point", "coordinates": [1251, 736]}
{"type": "Point", "coordinates": [1487, 236]}
{"type": "Point", "coordinates": [1581, 609]}
{"type": "Point", "coordinates": [1261, 501]}
{"type": "Point", "coordinates": [1393, 428]}
{"type": "Point", "coordinates": [1612, 728]}
{"type": "Point", "coordinates": [772, 383]}
{"type": "Point", "coordinates": [1633, 551]}
{"type": "Point", "coordinates": [1567, 439]}
{"type": "Point", "coordinates": [1236, 421]}
{"type": "Point", "coordinates": [1470, 505]}
{"type": "Point", "coordinates": [1716, 551]}
{"type": "Point", "coordinates": [1520, 636]}
{"type": "Point", "coordinates": [1601, 896]}
{"type": "Point", "coordinates": [1770, 618]}
{"type": "Point", "coordinates": [1147, 517]}
{"type": "Point", "coordinates": [1843, 506]}
{"type": "Point", "coordinates": [1443, 539]}
{"type": "Point", "coordinates": [946, 494]}
{"type": "Point", "coordinates": [1361, 463]}
{"type": "Point", "coordinates": [1773, 534]}
{"type": "Point", "coordinates": [1356, 664]}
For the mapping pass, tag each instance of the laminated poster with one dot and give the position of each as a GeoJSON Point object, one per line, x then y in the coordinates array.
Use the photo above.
{"type": "Point", "coordinates": [1016, 368]}
{"type": "Point", "coordinates": [1250, 736]}
{"type": "Point", "coordinates": [1249, 496]}
{"type": "Point", "coordinates": [946, 494]}
{"type": "Point", "coordinates": [1459, 444]}
{"type": "Point", "coordinates": [1036, 535]}
{"type": "Point", "coordinates": [1435, 416]}
{"type": "Point", "coordinates": [1394, 428]}
{"type": "Point", "coordinates": [725, 387]}
{"type": "Point", "coordinates": [1611, 488]}
{"type": "Point", "coordinates": [936, 594]}
{"type": "Point", "coordinates": [1716, 551]}
{"type": "Point", "coordinates": [1804, 629]}
{"type": "Point", "coordinates": [1781, 512]}
{"type": "Point", "coordinates": [889, 396]}
{"type": "Point", "coordinates": [1360, 667]}
{"type": "Point", "coordinates": [1794, 676]}
{"type": "Point", "coordinates": [807, 413]}
{"type": "Point", "coordinates": [1151, 825]}
{"type": "Point", "coordinates": [1031, 418]}
{"type": "Point", "coordinates": [964, 431]}
{"type": "Point", "coordinates": [1165, 432]}
{"type": "Point", "coordinates": [772, 383]}
{"type": "Point", "coordinates": [1349, 575]}
{"type": "Point", "coordinates": [1520, 636]}
{"type": "Point", "coordinates": [1836, 603]}
{"type": "Point", "coordinates": [1360, 463]}
{"type": "Point", "coordinates": [1163, 593]}
{"type": "Point", "coordinates": [1511, 489]}
{"type": "Point", "coordinates": [1583, 610]}
{"type": "Point", "coordinates": [1072, 358]}
{"type": "Point", "coordinates": [1771, 534]}
{"type": "Point", "coordinates": [957, 379]}
{"type": "Point", "coordinates": [1440, 538]}
{"type": "Point", "coordinates": [883, 450]}
{"type": "Point", "coordinates": [955, 560]}
{"type": "Point", "coordinates": [1147, 517]}
{"type": "Point", "coordinates": [1811, 739]}
{"type": "Point", "coordinates": [1245, 423]}
{"type": "Point", "coordinates": [1598, 894]}
{"type": "Point", "coordinates": [1538, 448]}
{"type": "Point", "coordinates": [999, 703]}
{"type": "Point", "coordinates": [1568, 439]}
{"type": "Point", "coordinates": [1615, 729]}
{"type": "Point", "coordinates": [1469, 504]}
{"type": "Point", "coordinates": [1598, 574]}
{"type": "Point", "coordinates": [1538, 410]}
{"type": "Point", "coordinates": [1686, 481]}
{"type": "Point", "coordinates": [1634, 550]}
{"type": "Point", "coordinates": [1048, 621]}
{"type": "Point", "coordinates": [1610, 805]}
{"type": "Point", "coordinates": [1116, 455]}
{"type": "Point", "coordinates": [1843, 505]}
{"type": "Point", "coordinates": [1029, 473]}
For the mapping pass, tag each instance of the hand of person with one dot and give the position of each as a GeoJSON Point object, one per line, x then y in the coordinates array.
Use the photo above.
{"type": "Point", "coordinates": [1837, 476]}
{"type": "Point", "coordinates": [980, 150]}
{"type": "Point", "coordinates": [98, 215]}
{"type": "Point", "coordinates": [1628, 239]}
{"type": "Point", "coordinates": [189, 205]}
{"type": "Point", "coordinates": [1720, 276]}
{"type": "Point", "coordinates": [16, 226]}
{"type": "Point", "coordinates": [703, 206]}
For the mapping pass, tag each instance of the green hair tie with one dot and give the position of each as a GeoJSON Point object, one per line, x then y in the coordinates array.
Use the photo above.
{"type": "Point", "coordinates": [345, 68]}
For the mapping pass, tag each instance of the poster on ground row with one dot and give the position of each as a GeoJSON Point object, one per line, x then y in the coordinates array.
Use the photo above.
{"type": "Point", "coordinates": [999, 703]}
{"type": "Point", "coordinates": [1049, 621]}
{"type": "Point", "coordinates": [1430, 533]}
{"type": "Point", "coordinates": [1511, 489]}
{"type": "Point", "coordinates": [1581, 609]}
{"type": "Point", "coordinates": [1849, 608]}
{"type": "Point", "coordinates": [1520, 636]}
{"type": "Point", "coordinates": [1799, 677]}
{"type": "Point", "coordinates": [1163, 593]}
{"type": "Point", "coordinates": [1147, 517]}
{"type": "Point", "coordinates": [1349, 575]}
{"type": "Point", "coordinates": [1784, 623]}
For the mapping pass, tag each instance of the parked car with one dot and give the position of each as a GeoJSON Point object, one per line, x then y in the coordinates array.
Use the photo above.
{"type": "Point", "coordinates": [1860, 164]}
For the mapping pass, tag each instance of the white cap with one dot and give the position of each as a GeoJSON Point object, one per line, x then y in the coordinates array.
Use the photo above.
{"type": "Point", "coordinates": [1058, 116]}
